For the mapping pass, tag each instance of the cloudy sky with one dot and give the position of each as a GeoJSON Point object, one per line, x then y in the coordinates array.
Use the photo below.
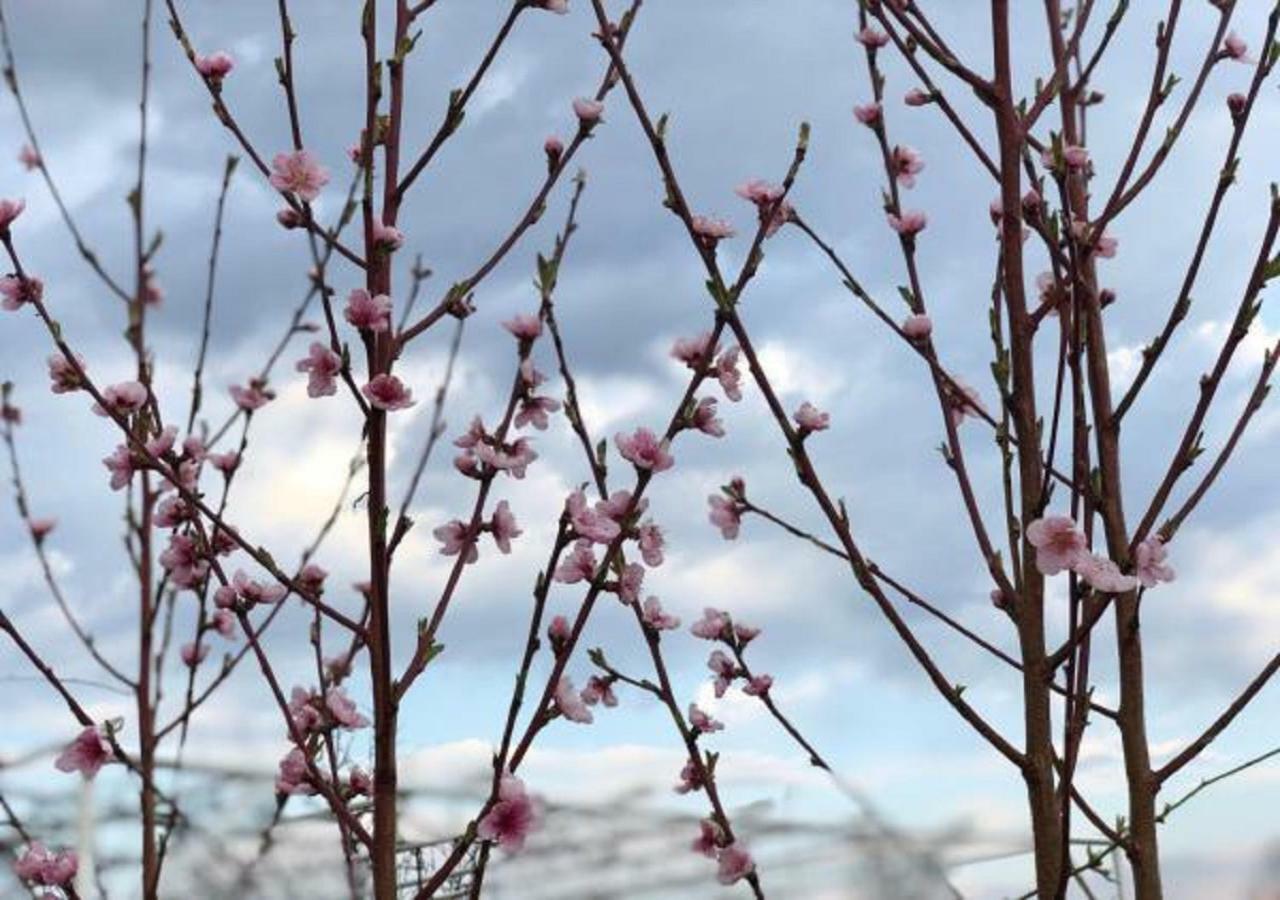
{"type": "Point", "coordinates": [737, 78]}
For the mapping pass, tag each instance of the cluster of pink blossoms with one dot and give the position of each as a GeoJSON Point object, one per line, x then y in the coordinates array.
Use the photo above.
{"type": "Point", "coordinates": [39, 865]}
{"type": "Point", "coordinates": [603, 524]}
{"type": "Point", "coordinates": [1060, 546]}
{"type": "Point", "coordinates": [311, 713]}
{"type": "Point", "coordinates": [734, 862]}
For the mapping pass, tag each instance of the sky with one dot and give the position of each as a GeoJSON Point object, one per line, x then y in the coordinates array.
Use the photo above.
{"type": "Point", "coordinates": [736, 78]}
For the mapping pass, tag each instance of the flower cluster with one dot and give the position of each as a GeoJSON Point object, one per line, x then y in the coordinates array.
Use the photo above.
{"type": "Point", "coordinates": [39, 865]}
{"type": "Point", "coordinates": [484, 454]}
{"type": "Point", "coordinates": [1060, 546]}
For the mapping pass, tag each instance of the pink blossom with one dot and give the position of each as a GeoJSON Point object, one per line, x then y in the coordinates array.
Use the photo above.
{"type": "Point", "coordinates": [1149, 562]}
{"type": "Point", "coordinates": [160, 445]}
{"type": "Point", "coordinates": [304, 711]}
{"type": "Point", "coordinates": [63, 375]}
{"type": "Point", "coordinates": [1032, 203]}
{"type": "Point", "coordinates": [387, 238]}
{"type": "Point", "coordinates": [360, 782]}
{"type": "Point", "coordinates": [1234, 47]}
{"type": "Point", "coordinates": [570, 703]}
{"type": "Point", "coordinates": [226, 463]}
{"type": "Point", "coordinates": [223, 543]}
{"type": "Point", "coordinates": [745, 633]}
{"type": "Point", "coordinates": [868, 114]}
{"type": "Point", "coordinates": [372, 313]}
{"type": "Point", "coordinates": [293, 776]}
{"type": "Point", "coordinates": [909, 223]}
{"type": "Point", "coordinates": [9, 211]}
{"type": "Point", "coordinates": [726, 515]}
{"type": "Point", "coordinates": [255, 592]}
{"type": "Point", "coordinates": [1106, 246]}
{"type": "Point", "coordinates": [514, 458]}
{"type": "Point", "coordinates": [599, 690]}
{"type": "Point", "coordinates": [503, 526]}
{"type": "Point", "coordinates": [299, 172]}
{"type": "Point", "coordinates": [1075, 157]}
{"type": "Point", "coordinates": [1236, 103]}
{"type": "Point", "coordinates": [967, 403]}
{"type": "Point", "coordinates": [588, 111]}
{"type": "Point", "coordinates": [558, 632]}
{"type": "Point", "coordinates": [917, 97]}
{"type": "Point", "coordinates": [39, 865]}
{"type": "Point", "coordinates": [310, 579]}
{"type": "Point", "coordinates": [194, 653]}
{"type": "Point", "coordinates": [710, 230]}
{"type": "Point", "coordinates": [713, 625]}
{"type": "Point", "coordinates": [554, 148]}
{"type": "Point", "coordinates": [525, 326]}
{"type": "Point", "coordinates": [917, 327]}
{"type": "Point", "coordinates": [559, 7]}
{"type": "Point", "coordinates": [171, 513]}
{"type": "Point", "coordinates": [810, 418]}
{"type": "Point", "coordinates": [343, 709]}
{"type": "Point", "coordinates": [580, 565]}
{"type": "Point", "coordinates": [535, 410]}
{"type": "Point", "coordinates": [630, 582]}
{"type": "Point", "coordinates": [122, 399]}
{"type": "Point", "coordinates": [591, 524]}
{"type": "Point", "coordinates": [702, 722]}
{"type": "Point", "coordinates": [690, 778]}
{"type": "Point", "coordinates": [252, 396]}
{"type": "Point", "coordinates": [644, 450]}
{"type": "Point", "coordinates": [182, 560]}
{"type": "Point", "coordinates": [1103, 574]}
{"type": "Point", "coordinates": [18, 291]}
{"type": "Point", "coordinates": [1103, 245]}
{"type": "Point", "coordinates": [704, 418]}
{"type": "Point", "coordinates": [774, 210]}
{"type": "Point", "coordinates": [456, 538]}
{"type": "Point", "coordinates": [321, 365]}
{"type": "Point", "coordinates": [88, 753]}
{"type": "Point", "coordinates": [289, 218]}
{"type": "Point", "coordinates": [224, 622]}
{"type": "Point", "coordinates": [387, 392]}
{"type": "Point", "coordinates": [510, 820]}
{"type": "Point", "coordinates": [618, 505]}
{"type": "Point", "coordinates": [872, 38]}
{"type": "Point", "coordinates": [29, 158]}
{"type": "Point", "coordinates": [735, 864]}
{"type": "Point", "coordinates": [652, 541]}
{"type": "Point", "coordinates": [758, 685]}
{"type": "Point", "coordinates": [725, 669]}
{"type": "Point", "coordinates": [215, 66]}
{"type": "Point", "coordinates": [906, 163]}
{"type": "Point", "coordinates": [656, 618]}
{"type": "Point", "coordinates": [1058, 544]}
{"type": "Point", "coordinates": [726, 372]}
{"type": "Point", "coordinates": [691, 351]}
{"type": "Point", "coordinates": [338, 667]}
{"type": "Point", "coordinates": [120, 465]}
{"type": "Point", "coordinates": [708, 840]}
{"type": "Point", "coordinates": [40, 528]}
{"type": "Point", "coordinates": [225, 597]}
